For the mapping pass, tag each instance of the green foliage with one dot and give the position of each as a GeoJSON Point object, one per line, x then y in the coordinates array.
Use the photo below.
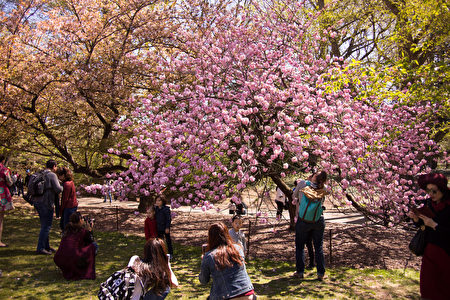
{"type": "Point", "coordinates": [399, 52]}
{"type": "Point", "coordinates": [30, 276]}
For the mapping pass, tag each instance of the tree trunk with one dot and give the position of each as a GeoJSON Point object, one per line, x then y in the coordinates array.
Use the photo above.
{"type": "Point", "coordinates": [291, 214]}
{"type": "Point", "coordinates": [288, 193]}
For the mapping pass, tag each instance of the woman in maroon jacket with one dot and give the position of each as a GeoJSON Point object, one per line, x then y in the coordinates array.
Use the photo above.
{"type": "Point", "coordinates": [69, 203]}
{"type": "Point", "coordinates": [76, 253]}
{"type": "Point", "coordinates": [435, 216]}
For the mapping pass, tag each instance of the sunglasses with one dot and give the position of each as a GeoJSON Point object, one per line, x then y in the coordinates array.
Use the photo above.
{"type": "Point", "coordinates": [431, 191]}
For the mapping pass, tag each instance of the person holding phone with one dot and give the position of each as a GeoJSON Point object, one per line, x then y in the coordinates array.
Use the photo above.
{"type": "Point", "coordinates": [435, 215]}
{"type": "Point", "coordinates": [77, 250]}
{"type": "Point", "coordinates": [224, 262]}
{"type": "Point", "coordinates": [236, 233]}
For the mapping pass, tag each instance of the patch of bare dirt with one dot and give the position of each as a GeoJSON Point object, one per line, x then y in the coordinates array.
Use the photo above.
{"type": "Point", "coordinates": [345, 245]}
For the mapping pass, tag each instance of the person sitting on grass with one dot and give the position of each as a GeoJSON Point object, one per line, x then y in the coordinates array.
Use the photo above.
{"type": "Point", "coordinates": [76, 253]}
{"type": "Point", "coordinates": [224, 262]}
{"type": "Point", "coordinates": [154, 272]}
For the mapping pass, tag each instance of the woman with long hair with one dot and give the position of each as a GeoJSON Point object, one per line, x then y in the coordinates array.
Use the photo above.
{"type": "Point", "coordinates": [224, 262]}
{"type": "Point", "coordinates": [69, 203]}
{"type": "Point", "coordinates": [435, 216]}
{"type": "Point", "coordinates": [5, 195]}
{"type": "Point", "coordinates": [154, 271]}
{"type": "Point", "coordinates": [76, 252]}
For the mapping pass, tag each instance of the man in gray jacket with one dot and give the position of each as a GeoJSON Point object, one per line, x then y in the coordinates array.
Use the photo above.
{"type": "Point", "coordinates": [45, 206]}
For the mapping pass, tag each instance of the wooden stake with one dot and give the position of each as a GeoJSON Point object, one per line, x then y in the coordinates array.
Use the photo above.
{"type": "Point", "coordinates": [117, 218]}
{"type": "Point", "coordinates": [248, 239]}
{"type": "Point", "coordinates": [331, 249]}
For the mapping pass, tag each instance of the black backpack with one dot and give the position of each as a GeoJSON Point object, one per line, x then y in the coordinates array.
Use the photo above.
{"type": "Point", "coordinates": [120, 285]}
{"type": "Point", "coordinates": [36, 187]}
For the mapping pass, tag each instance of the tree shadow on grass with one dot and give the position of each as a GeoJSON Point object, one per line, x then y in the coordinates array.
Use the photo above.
{"type": "Point", "coordinates": [310, 286]}
{"type": "Point", "coordinates": [18, 252]}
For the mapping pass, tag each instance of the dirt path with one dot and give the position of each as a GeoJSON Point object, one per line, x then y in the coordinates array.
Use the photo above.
{"type": "Point", "coordinates": [345, 244]}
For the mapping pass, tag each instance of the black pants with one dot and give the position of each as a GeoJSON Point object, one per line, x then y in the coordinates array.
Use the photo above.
{"type": "Point", "coordinates": [280, 206]}
{"type": "Point", "coordinates": [166, 236]}
{"type": "Point", "coordinates": [309, 246]}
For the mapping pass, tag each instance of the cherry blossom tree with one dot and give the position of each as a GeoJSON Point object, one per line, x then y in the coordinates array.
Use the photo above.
{"type": "Point", "coordinates": [246, 96]}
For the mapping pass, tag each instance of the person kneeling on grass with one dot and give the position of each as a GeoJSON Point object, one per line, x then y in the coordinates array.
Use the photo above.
{"type": "Point", "coordinates": [76, 253]}
{"type": "Point", "coordinates": [224, 262]}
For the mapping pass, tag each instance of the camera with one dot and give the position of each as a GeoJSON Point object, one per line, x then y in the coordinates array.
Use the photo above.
{"type": "Point", "coordinates": [204, 247]}
{"type": "Point", "coordinates": [88, 221]}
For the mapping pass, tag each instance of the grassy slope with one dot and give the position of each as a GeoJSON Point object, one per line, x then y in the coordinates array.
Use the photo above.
{"type": "Point", "coordinates": [30, 276]}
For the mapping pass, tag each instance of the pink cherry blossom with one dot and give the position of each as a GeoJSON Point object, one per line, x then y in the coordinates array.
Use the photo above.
{"type": "Point", "coordinates": [244, 99]}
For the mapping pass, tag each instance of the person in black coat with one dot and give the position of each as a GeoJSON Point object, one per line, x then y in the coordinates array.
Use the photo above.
{"type": "Point", "coordinates": [163, 221]}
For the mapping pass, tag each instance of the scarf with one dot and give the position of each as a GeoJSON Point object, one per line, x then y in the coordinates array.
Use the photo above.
{"type": "Point", "coordinates": [312, 193]}
{"type": "Point", "coordinates": [441, 205]}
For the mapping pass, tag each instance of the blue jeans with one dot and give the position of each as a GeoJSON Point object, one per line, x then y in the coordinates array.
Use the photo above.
{"type": "Point", "coordinates": [65, 216]}
{"type": "Point", "coordinates": [46, 218]}
{"type": "Point", "coordinates": [302, 231]}
{"type": "Point", "coordinates": [151, 295]}
{"type": "Point", "coordinates": [109, 196]}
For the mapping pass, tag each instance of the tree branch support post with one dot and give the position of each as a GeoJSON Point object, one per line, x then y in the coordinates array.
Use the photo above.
{"type": "Point", "coordinates": [331, 249]}
{"type": "Point", "coordinates": [248, 239]}
{"type": "Point", "coordinates": [117, 218]}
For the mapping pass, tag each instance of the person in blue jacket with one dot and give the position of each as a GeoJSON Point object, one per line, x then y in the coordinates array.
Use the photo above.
{"type": "Point", "coordinates": [223, 261]}
{"type": "Point", "coordinates": [163, 221]}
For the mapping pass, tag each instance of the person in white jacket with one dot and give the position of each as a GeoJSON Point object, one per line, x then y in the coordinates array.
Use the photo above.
{"type": "Point", "coordinates": [280, 201]}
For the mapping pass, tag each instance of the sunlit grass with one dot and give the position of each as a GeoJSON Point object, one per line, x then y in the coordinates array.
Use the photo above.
{"type": "Point", "coordinates": [30, 276]}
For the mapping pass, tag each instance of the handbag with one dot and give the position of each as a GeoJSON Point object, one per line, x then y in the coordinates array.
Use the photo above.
{"type": "Point", "coordinates": [418, 242]}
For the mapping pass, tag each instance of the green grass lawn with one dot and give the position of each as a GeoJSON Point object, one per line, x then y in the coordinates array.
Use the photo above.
{"type": "Point", "coordinates": [26, 275]}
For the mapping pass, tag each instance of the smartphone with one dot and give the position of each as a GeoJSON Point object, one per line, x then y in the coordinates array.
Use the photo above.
{"type": "Point", "coordinates": [204, 246]}
{"type": "Point", "coordinates": [425, 210]}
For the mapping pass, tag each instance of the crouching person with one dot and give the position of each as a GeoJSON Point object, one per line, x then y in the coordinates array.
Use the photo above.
{"type": "Point", "coordinates": [76, 253]}
{"type": "Point", "coordinates": [224, 262]}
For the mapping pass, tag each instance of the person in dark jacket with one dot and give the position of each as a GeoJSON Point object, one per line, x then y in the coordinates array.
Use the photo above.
{"type": "Point", "coordinates": [45, 206]}
{"type": "Point", "coordinates": [163, 221]}
{"type": "Point", "coordinates": [76, 253]}
{"type": "Point", "coordinates": [19, 185]}
{"type": "Point", "coordinates": [435, 216]}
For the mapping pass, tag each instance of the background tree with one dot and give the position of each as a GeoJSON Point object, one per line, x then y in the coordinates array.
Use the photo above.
{"type": "Point", "coordinates": [67, 71]}
{"type": "Point", "coordinates": [404, 41]}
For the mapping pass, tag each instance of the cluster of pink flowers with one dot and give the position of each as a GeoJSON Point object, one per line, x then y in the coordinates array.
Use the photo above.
{"type": "Point", "coordinates": [248, 99]}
